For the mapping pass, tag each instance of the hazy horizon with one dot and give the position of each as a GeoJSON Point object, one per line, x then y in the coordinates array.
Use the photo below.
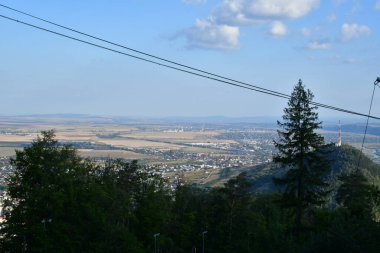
{"type": "Point", "coordinates": [190, 119]}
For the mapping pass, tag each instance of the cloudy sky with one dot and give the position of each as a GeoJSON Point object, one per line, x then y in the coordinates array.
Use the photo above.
{"type": "Point", "coordinates": [332, 45]}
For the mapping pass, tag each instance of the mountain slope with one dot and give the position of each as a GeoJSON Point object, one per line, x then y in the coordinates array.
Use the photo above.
{"type": "Point", "coordinates": [343, 159]}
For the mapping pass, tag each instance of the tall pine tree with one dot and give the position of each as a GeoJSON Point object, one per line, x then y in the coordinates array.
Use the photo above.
{"type": "Point", "coordinates": [301, 152]}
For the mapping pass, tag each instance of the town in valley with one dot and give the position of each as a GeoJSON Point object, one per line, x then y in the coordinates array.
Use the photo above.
{"type": "Point", "coordinates": [204, 151]}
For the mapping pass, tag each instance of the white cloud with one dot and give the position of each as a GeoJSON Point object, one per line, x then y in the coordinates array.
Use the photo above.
{"type": "Point", "coordinates": [377, 5]}
{"type": "Point", "coordinates": [278, 29]}
{"type": "Point", "coordinates": [222, 28]}
{"type": "Point", "coordinates": [354, 31]}
{"type": "Point", "coordinates": [252, 11]}
{"type": "Point", "coordinates": [282, 8]}
{"type": "Point", "coordinates": [206, 34]}
{"type": "Point", "coordinates": [194, 1]}
{"type": "Point", "coordinates": [316, 45]}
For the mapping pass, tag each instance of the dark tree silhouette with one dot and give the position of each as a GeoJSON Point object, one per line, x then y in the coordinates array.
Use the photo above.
{"type": "Point", "coordinates": [300, 151]}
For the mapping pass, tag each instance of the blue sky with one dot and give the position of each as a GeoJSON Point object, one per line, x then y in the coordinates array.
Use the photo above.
{"type": "Point", "coordinates": [332, 45]}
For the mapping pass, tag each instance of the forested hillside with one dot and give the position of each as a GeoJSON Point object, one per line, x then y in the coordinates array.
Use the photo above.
{"type": "Point", "coordinates": [343, 160]}
{"type": "Point", "coordinates": [59, 202]}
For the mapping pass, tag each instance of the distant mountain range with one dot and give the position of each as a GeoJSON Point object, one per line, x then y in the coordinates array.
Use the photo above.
{"type": "Point", "coordinates": [329, 123]}
{"type": "Point", "coordinates": [355, 128]}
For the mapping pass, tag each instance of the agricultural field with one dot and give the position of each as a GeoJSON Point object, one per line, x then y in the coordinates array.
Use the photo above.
{"type": "Point", "coordinates": [99, 139]}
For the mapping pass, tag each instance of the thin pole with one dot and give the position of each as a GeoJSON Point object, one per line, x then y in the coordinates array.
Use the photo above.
{"type": "Point", "coordinates": [203, 245]}
{"type": "Point", "coordinates": [203, 241]}
{"type": "Point", "coordinates": [155, 241]}
{"type": "Point", "coordinates": [366, 126]}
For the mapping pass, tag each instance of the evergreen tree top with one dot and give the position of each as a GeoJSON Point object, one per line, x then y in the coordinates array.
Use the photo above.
{"type": "Point", "coordinates": [300, 120]}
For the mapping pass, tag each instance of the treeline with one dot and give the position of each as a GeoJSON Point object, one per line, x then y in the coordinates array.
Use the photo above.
{"type": "Point", "coordinates": [59, 202]}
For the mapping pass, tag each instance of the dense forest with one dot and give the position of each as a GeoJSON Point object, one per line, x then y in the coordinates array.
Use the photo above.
{"type": "Point", "coordinates": [321, 200]}
{"type": "Point", "coordinates": [62, 203]}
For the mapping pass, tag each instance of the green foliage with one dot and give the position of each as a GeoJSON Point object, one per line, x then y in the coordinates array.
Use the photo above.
{"type": "Point", "coordinates": [358, 196]}
{"type": "Point", "coordinates": [339, 231]}
{"type": "Point", "coordinates": [59, 202]}
{"type": "Point", "coordinates": [62, 203]}
{"type": "Point", "coordinates": [188, 218]}
{"type": "Point", "coordinates": [354, 194]}
{"type": "Point", "coordinates": [301, 151]}
{"type": "Point", "coordinates": [45, 194]}
{"type": "Point", "coordinates": [344, 160]}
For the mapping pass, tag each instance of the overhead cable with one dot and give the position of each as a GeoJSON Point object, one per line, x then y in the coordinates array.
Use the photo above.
{"type": "Point", "coordinates": [137, 51]}
{"type": "Point", "coordinates": [166, 60]}
{"type": "Point", "coordinates": [205, 74]}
